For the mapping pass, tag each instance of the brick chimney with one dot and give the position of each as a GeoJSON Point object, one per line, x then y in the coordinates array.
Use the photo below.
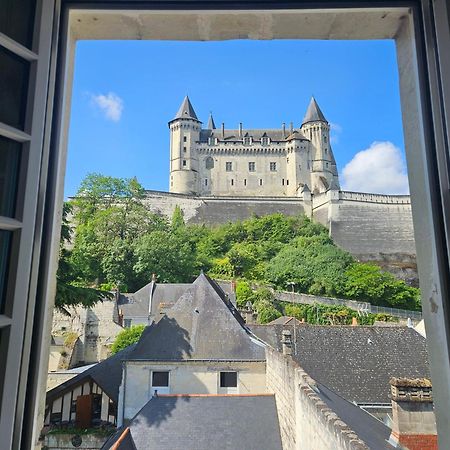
{"type": "Point", "coordinates": [413, 420]}
{"type": "Point", "coordinates": [286, 342]}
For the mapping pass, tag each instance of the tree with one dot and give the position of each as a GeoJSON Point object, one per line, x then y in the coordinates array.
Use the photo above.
{"type": "Point", "coordinates": [168, 255]}
{"type": "Point", "coordinates": [127, 337]}
{"type": "Point", "coordinates": [68, 293]}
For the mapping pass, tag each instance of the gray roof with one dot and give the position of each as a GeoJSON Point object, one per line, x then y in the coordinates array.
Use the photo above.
{"type": "Point", "coordinates": [285, 320]}
{"type": "Point", "coordinates": [186, 110]}
{"type": "Point", "coordinates": [355, 361]}
{"type": "Point", "coordinates": [107, 374]}
{"type": "Point", "coordinates": [211, 124]}
{"type": "Point", "coordinates": [212, 422]}
{"type": "Point", "coordinates": [163, 296]}
{"type": "Point", "coordinates": [313, 113]}
{"type": "Point", "coordinates": [275, 135]}
{"type": "Point", "coordinates": [203, 324]}
{"type": "Point", "coordinates": [369, 429]}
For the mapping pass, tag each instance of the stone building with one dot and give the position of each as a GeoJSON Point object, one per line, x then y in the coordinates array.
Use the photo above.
{"type": "Point", "coordinates": [250, 162]}
{"type": "Point", "coordinates": [200, 377]}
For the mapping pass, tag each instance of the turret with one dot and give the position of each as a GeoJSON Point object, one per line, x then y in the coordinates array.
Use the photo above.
{"type": "Point", "coordinates": [323, 165]}
{"type": "Point", "coordinates": [184, 132]}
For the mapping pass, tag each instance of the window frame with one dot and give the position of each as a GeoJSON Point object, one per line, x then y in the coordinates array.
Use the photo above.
{"type": "Point", "coordinates": [426, 36]}
{"type": "Point", "coordinates": [252, 166]}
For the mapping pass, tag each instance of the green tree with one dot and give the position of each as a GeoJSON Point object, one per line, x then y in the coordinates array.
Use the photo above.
{"type": "Point", "coordinates": [67, 292]}
{"type": "Point", "coordinates": [166, 254]}
{"type": "Point", "coordinates": [127, 337]}
{"type": "Point", "coordinates": [177, 218]}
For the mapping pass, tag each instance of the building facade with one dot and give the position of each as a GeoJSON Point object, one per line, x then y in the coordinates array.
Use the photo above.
{"type": "Point", "coordinates": [250, 162]}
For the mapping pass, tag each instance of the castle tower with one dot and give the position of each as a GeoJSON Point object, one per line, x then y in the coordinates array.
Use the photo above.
{"type": "Point", "coordinates": [184, 133]}
{"type": "Point", "coordinates": [323, 165]}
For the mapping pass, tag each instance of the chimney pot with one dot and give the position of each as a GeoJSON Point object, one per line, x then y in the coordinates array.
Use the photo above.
{"type": "Point", "coordinates": [223, 129]}
{"type": "Point", "coordinates": [287, 342]}
{"type": "Point", "coordinates": [240, 129]}
{"type": "Point", "coordinates": [154, 277]}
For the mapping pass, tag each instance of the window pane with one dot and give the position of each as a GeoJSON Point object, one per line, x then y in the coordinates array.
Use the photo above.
{"type": "Point", "coordinates": [10, 152]}
{"type": "Point", "coordinates": [160, 379]}
{"type": "Point", "coordinates": [5, 244]}
{"type": "Point", "coordinates": [228, 379]}
{"type": "Point", "coordinates": [16, 20]}
{"type": "Point", "coordinates": [13, 88]}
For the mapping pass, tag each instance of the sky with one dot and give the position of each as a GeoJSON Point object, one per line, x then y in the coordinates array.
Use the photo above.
{"type": "Point", "coordinates": [125, 92]}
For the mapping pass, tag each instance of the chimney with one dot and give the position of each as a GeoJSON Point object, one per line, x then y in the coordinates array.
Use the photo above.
{"type": "Point", "coordinates": [413, 420]}
{"type": "Point", "coordinates": [291, 127]}
{"type": "Point", "coordinates": [233, 285]}
{"type": "Point", "coordinates": [240, 129]}
{"type": "Point", "coordinates": [283, 126]}
{"type": "Point", "coordinates": [354, 322]}
{"type": "Point", "coordinates": [153, 277]}
{"type": "Point", "coordinates": [287, 342]}
{"type": "Point", "coordinates": [223, 129]}
{"type": "Point", "coordinates": [120, 317]}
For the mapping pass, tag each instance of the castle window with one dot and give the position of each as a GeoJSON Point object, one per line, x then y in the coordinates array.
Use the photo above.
{"type": "Point", "coordinates": [282, 182]}
{"type": "Point", "coordinates": [184, 139]}
{"type": "Point", "coordinates": [232, 182]}
{"type": "Point", "coordinates": [324, 139]}
{"type": "Point", "coordinates": [184, 163]}
{"type": "Point", "coordinates": [228, 166]}
{"type": "Point", "coordinates": [206, 181]}
{"type": "Point", "coordinates": [327, 164]}
{"type": "Point", "coordinates": [265, 140]}
{"type": "Point", "coordinates": [273, 166]}
{"type": "Point", "coordinates": [326, 151]}
{"type": "Point", "coordinates": [287, 160]}
{"type": "Point", "coordinates": [212, 140]}
{"type": "Point", "coordinates": [184, 149]}
{"type": "Point", "coordinates": [209, 163]}
{"type": "Point", "coordinates": [287, 182]}
{"type": "Point", "coordinates": [247, 140]}
{"type": "Point", "coordinates": [260, 181]}
{"type": "Point", "coordinates": [245, 182]}
{"type": "Point", "coordinates": [251, 166]}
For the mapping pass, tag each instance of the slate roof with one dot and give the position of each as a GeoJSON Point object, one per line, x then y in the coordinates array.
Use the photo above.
{"type": "Point", "coordinates": [203, 324]}
{"type": "Point", "coordinates": [164, 295]}
{"type": "Point", "coordinates": [107, 374]}
{"type": "Point", "coordinates": [211, 124]}
{"type": "Point", "coordinates": [208, 422]}
{"type": "Point", "coordinates": [186, 110]}
{"type": "Point", "coordinates": [371, 430]}
{"type": "Point", "coordinates": [275, 135]}
{"type": "Point", "coordinates": [355, 362]}
{"type": "Point", "coordinates": [313, 113]}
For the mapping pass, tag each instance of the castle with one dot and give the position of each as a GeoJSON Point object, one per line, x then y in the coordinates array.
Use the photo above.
{"type": "Point", "coordinates": [266, 162]}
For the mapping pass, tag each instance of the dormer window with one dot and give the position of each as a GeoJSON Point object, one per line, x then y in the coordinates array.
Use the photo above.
{"type": "Point", "coordinates": [212, 140]}
{"type": "Point", "coordinates": [247, 140]}
{"type": "Point", "coordinates": [265, 140]}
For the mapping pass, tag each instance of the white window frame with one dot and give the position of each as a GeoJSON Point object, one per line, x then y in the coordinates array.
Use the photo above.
{"type": "Point", "coordinates": [160, 389]}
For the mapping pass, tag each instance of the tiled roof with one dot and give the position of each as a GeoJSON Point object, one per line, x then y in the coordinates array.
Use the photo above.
{"type": "Point", "coordinates": [107, 374]}
{"type": "Point", "coordinates": [186, 110]}
{"type": "Point", "coordinates": [355, 362]}
{"type": "Point", "coordinates": [211, 422]}
{"type": "Point", "coordinates": [203, 324]}
{"type": "Point", "coordinates": [275, 135]}
{"type": "Point", "coordinates": [313, 113]}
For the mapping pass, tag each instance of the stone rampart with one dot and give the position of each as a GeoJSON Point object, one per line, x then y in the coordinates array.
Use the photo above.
{"type": "Point", "coordinates": [306, 422]}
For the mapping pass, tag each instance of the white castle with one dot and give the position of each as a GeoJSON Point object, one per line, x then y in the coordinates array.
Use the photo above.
{"type": "Point", "coordinates": [274, 162]}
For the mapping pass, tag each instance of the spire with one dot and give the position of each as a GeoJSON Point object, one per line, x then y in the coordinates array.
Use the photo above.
{"type": "Point", "coordinates": [314, 114]}
{"type": "Point", "coordinates": [211, 124]}
{"type": "Point", "coordinates": [186, 110]}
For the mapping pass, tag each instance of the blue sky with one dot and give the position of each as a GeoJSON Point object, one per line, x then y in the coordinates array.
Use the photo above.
{"type": "Point", "coordinates": [125, 92]}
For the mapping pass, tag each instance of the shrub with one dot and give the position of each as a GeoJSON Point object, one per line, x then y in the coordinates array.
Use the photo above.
{"type": "Point", "coordinates": [127, 337]}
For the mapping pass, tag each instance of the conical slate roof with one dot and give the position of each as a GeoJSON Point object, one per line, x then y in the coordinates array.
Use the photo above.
{"type": "Point", "coordinates": [203, 324]}
{"type": "Point", "coordinates": [314, 114]}
{"type": "Point", "coordinates": [186, 110]}
{"type": "Point", "coordinates": [211, 124]}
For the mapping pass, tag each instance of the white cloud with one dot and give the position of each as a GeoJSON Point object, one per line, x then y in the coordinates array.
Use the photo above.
{"type": "Point", "coordinates": [335, 131]}
{"type": "Point", "coordinates": [110, 104]}
{"type": "Point", "coordinates": [377, 169]}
